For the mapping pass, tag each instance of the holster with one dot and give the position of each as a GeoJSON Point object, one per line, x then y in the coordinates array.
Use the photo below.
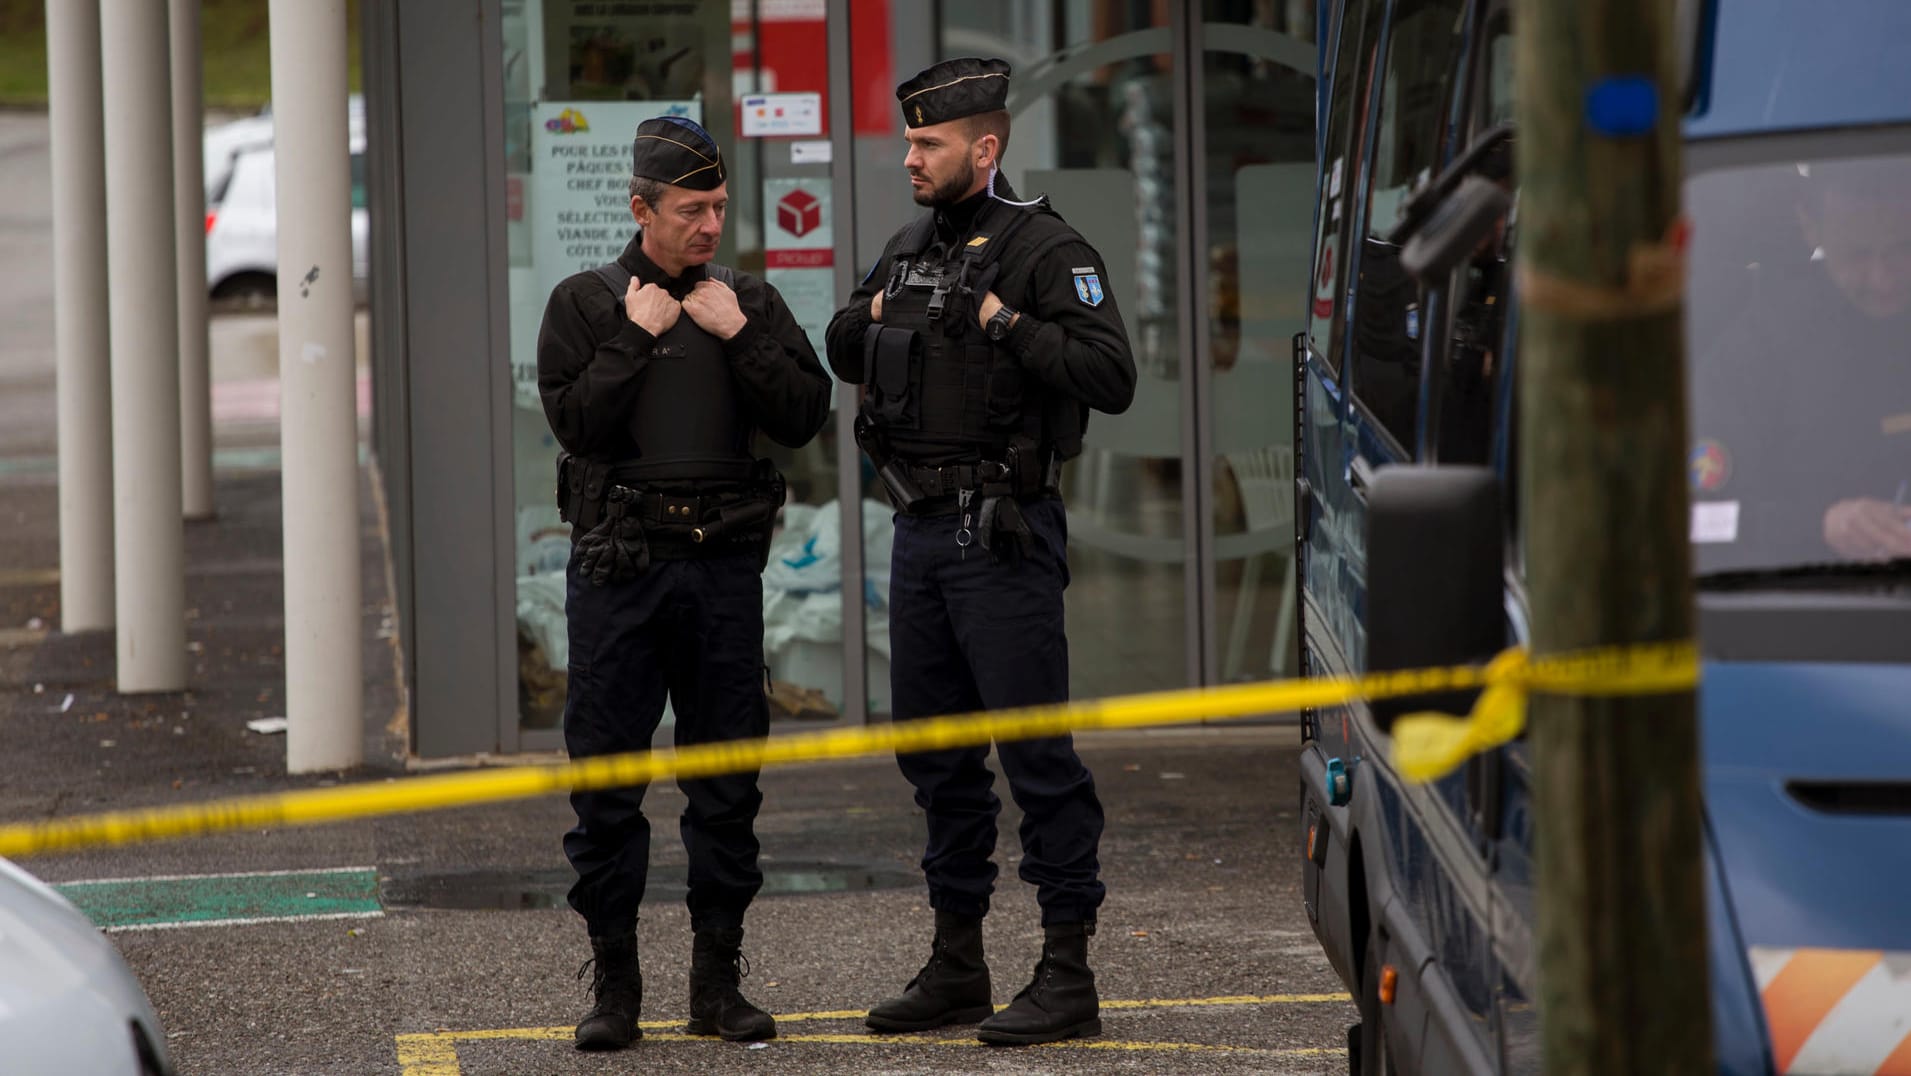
{"type": "Point", "coordinates": [1001, 515]}
{"type": "Point", "coordinates": [581, 485]}
{"type": "Point", "coordinates": [904, 494]}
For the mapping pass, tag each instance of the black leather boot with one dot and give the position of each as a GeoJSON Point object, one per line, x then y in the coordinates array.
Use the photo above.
{"type": "Point", "coordinates": [617, 987]}
{"type": "Point", "coordinates": [1059, 1003]}
{"type": "Point", "coordinates": [717, 1007]}
{"type": "Point", "coordinates": [952, 988]}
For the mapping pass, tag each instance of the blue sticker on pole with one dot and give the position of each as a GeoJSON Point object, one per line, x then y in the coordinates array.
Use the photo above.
{"type": "Point", "coordinates": [1623, 106]}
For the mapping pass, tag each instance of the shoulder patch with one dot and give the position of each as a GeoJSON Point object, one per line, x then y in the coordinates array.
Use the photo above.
{"type": "Point", "coordinates": [1088, 287]}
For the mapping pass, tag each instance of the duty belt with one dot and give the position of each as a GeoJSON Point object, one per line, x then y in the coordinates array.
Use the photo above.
{"type": "Point", "coordinates": [705, 517]}
{"type": "Point", "coordinates": [947, 481]}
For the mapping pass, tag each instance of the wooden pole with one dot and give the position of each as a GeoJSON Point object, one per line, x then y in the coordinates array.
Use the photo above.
{"type": "Point", "coordinates": [1622, 949]}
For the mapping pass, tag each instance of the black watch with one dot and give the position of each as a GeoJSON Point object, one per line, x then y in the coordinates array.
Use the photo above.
{"type": "Point", "coordinates": [999, 323]}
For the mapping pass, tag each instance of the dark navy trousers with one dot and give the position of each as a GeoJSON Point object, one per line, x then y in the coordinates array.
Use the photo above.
{"type": "Point", "coordinates": [970, 633]}
{"type": "Point", "coordinates": [693, 629]}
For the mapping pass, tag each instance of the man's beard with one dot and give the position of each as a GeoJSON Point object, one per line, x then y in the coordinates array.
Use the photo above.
{"type": "Point", "coordinates": [949, 191]}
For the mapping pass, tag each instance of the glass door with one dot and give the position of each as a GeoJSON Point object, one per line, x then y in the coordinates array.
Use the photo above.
{"type": "Point", "coordinates": [1094, 106]}
{"type": "Point", "coordinates": [1179, 142]}
{"type": "Point", "coordinates": [1257, 132]}
{"type": "Point", "coordinates": [579, 76]}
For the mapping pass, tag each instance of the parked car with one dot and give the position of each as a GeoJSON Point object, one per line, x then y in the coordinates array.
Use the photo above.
{"type": "Point", "coordinates": [1797, 168]}
{"type": "Point", "coordinates": [68, 1003]}
{"type": "Point", "coordinates": [242, 248]}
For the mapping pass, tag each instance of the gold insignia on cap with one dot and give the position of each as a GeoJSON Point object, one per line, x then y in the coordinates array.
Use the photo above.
{"type": "Point", "coordinates": [918, 115]}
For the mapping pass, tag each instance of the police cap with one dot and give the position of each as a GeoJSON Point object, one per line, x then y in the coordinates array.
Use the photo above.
{"type": "Point", "coordinates": [677, 151]}
{"type": "Point", "coordinates": [953, 89]}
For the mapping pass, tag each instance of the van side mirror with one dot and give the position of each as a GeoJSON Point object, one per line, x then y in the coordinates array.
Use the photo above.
{"type": "Point", "coordinates": [1436, 586]}
{"type": "Point", "coordinates": [1455, 229]}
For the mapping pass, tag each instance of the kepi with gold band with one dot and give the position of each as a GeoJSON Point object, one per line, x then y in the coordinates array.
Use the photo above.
{"type": "Point", "coordinates": [677, 151]}
{"type": "Point", "coordinates": [952, 89]}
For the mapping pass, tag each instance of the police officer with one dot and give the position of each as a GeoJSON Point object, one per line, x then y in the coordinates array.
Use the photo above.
{"type": "Point", "coordinates": [657, 371]}
{"type": "Point", "coordinates": [981, 338]}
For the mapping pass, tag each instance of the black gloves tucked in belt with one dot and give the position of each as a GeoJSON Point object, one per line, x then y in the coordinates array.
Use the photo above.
{"type": "Point", "coordinates": [615, 549]}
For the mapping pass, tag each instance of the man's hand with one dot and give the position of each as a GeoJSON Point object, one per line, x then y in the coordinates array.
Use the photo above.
{"type": "Point", "coordinates": [651, 308]}
{"type": "Point", "coordinates": [986, 310]}
{"type": "Point", "coordinates": [1863, 528]}
{"type": "Point", "coordinates": [876, 307]}
{"type": "Point", "coordinates": [713, 306]}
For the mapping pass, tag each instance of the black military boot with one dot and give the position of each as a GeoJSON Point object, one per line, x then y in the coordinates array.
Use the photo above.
{"type": "Point", "coordinates": [716, 1006]}
{"type": "Point", "coordinates": [618, 988]}
{"type": "Point", "coordinates": [952, 988]}
{"type": "Point", "coordinates": [1059, 1003]}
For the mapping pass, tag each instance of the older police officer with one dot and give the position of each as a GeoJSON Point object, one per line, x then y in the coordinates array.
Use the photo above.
{"type": "Point", "coordinates": [981, 338]}
{"type": "Point", "coordinates": [656, 373]}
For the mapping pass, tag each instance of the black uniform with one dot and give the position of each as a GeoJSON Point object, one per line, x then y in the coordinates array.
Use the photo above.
{"type": "Point", "coordinates": [671, 515]}
{"type": "Point", "coordinates": [969, 435]}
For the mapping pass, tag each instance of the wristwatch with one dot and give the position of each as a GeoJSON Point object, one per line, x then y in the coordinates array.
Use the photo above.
{"type": "Point", "coordinates": [998, 326]}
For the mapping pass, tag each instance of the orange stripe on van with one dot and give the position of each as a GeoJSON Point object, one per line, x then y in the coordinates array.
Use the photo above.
{"type": "Point", "coordinates": [1812, 982]}
{"type": "Point", "coordinates": [1899, 1063]}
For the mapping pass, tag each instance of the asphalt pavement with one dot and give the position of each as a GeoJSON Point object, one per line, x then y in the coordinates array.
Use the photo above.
{"type": "Point", "coordinates": [440, 943]}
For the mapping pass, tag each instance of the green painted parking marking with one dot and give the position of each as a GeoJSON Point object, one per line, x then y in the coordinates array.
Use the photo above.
{"type": "Point", "coordinates": [205, 900]}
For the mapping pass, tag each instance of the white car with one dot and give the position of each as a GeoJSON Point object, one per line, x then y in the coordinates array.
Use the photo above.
{"type": "Point", "coordinates": [242, 247]}
{"type": "Point", "coordinates": [68, 1003]}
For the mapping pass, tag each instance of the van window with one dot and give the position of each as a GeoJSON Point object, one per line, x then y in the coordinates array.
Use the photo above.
{"type": "Point", "coordinates": [358, 181]}
{"type": "Point", "coordinates": [1475, 353]}
{"type": "Point", "coordinates": [1352, 59]}
{"type": "Point", "coordinates": [1799, 305]}
{"type": "Point", "coordinates": [1415, 99]}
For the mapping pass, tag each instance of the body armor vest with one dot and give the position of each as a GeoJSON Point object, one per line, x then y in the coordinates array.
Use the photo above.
{"type": "Point", "coordinates": [939, 390]}
{"type": "Point", "coordinates": [688, 422]}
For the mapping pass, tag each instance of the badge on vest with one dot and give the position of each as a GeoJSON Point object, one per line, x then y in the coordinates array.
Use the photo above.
{"type": "Point", "coordinates": [1088, 287]}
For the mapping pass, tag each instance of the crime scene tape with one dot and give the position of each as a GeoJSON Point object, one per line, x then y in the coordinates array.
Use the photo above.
{"type": "Point", "coordinates": [1425, 745]}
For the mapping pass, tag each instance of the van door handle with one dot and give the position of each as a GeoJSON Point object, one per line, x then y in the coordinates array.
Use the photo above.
{"type": "Point", "coordinates": [1360, 475]}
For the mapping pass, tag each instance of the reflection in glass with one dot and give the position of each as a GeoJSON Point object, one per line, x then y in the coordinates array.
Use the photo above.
{"type": "Point", "coordinates": [1259, 106]}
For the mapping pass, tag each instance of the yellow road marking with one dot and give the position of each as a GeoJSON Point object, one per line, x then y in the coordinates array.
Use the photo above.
{"type": "Point", "coordinates": [427, 1055]}
{"type": "Point", "coordinates": [436, 1054]}
{"type": "Point", "coordinates": [1237, 999]}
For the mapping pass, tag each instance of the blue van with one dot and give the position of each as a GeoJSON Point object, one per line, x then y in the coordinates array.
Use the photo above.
{"type": "Point", "coordinates": [1798, 190]}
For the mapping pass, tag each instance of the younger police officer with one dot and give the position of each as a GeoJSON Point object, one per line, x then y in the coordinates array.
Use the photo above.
{"type": "Point", "coordinates": [981, 338]}
{"type": "Point", "coordinates": [656, 372]}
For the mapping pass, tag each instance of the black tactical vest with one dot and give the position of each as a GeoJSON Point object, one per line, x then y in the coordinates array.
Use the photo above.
{"type": "Point", "coordinates": [688, 422]}
{"type": "Point", "coordinates": [938, 389]}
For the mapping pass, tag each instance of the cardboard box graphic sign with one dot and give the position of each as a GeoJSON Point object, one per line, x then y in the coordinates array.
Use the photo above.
{"type": "Point", "coordinates": [799, 213]}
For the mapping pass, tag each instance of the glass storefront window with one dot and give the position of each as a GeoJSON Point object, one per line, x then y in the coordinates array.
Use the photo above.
{"type": "Point", "coordinates": [1258, 90]}
{"type": "Point", "coordinates": [1092, 106]}
{"type": "Point", "coordinates": [578, 78]}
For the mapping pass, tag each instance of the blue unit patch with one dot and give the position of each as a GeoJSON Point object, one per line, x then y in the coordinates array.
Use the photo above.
{"type": "Point", "coordinates": [1088, 288]}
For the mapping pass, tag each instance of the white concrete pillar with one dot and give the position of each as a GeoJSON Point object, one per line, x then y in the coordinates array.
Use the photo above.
{"type": "Point", "coordinates": [189, 192]}
{"type": "Point", "coordinates": [83, 387]}
{"type": "Point", "coordinates": [149, 543]}
{"type": "Point", "coordinates": [318, 425]}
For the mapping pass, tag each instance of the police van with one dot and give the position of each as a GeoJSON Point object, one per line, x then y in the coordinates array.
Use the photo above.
{"type": "Point", "coordinates": [1798, 194]}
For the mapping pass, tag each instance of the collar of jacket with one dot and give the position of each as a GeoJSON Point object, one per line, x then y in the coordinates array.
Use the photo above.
{"type": "Point", "coordinates": [647, 272]}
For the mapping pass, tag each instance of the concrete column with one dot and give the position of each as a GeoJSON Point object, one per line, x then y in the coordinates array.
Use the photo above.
{"type": "Point", "coordinates": [189, 192]}
{"type": "Point", "coordinates": [83, 388]}
{"type": "Point", "coordinates": [149, 545]}
{"type": "Point", "coordinates": [318, 429]}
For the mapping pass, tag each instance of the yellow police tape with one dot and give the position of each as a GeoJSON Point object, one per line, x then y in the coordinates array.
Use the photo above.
{"type": "Point", "coordinates": [1425, 745]}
